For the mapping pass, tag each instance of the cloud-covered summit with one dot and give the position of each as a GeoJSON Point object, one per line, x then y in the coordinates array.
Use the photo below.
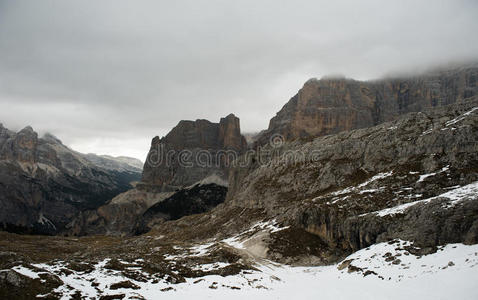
{"type": "Point", "coordinates": [106, 76]}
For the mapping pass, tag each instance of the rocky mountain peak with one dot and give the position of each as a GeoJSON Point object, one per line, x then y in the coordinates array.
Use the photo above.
{"type": "Point", "coordinates": [51, 138]}
{"type": "Point", "coordinates": [230, 134]}
{"type": "Point", "coordinates": [194, 137]}
{"type": "Point", "coordinates": [331, 105]}
{"type": "Point", "coordinates": [23, 145]}
{"type": "Point", "coordinates": [4, 132]}
{"type": "Point", "coordinates": [230, 116]}
{"type": "Point", "coordinates": [44, 184]}
{"type": "Point", "coordinates": [27, 129]}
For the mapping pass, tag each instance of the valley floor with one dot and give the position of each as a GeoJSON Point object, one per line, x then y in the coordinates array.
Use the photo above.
{"type": "Point", "coordinates": [382, 271]}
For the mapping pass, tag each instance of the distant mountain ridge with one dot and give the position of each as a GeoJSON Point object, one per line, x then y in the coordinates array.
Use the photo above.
{"type": "Point", "coordinates": [198, 188]}
{"type": "Point", "coordinates": [44, 184]}
{"type": "Point", "coordinates": [119, 163]}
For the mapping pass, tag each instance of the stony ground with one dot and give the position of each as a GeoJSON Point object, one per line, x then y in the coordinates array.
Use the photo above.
{"type": "Point", "coordinates": [149, 267]}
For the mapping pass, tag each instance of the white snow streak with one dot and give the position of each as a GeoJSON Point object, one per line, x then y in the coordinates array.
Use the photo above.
{"type": "Point", "coordinates": [455, 196]}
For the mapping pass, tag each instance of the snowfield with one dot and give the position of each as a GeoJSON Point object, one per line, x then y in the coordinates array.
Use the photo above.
{"type": "Point", "coordinates": [382, 271]}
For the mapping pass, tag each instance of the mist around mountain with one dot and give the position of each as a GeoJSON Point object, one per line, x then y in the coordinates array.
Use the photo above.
{"type": "Point", "coordinates": [371, 186]}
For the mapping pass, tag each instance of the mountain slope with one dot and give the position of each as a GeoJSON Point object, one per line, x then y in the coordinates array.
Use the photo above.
{"type": "Point", "coordinates": [44, 184]}
{"type": "Point", "coordinates": [341, 187]}
{"type": "Point", "coordinates": [185, 173]}
{"type": "Point", "coordinates": [333, 194]}
{"type": "Point", "coordinates": [387, 211]}
{"type": "Point", "coordinates": [120, 163]}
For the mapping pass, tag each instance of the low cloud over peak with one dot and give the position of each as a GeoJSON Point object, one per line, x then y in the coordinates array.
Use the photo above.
{"type": "Point", "coordinates": [107, 76]}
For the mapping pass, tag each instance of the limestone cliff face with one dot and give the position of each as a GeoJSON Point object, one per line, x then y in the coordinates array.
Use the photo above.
{"type": "Point", "coordinates": [329, 106]}
{"type": "Point", "coordinates": [398, 179]}
{"type": "Point", "coordinates": [21, 147]}
{"type": "Point", "coordinates": [192, 151]}
{"type": "Point", "coordinates": [230, 137]}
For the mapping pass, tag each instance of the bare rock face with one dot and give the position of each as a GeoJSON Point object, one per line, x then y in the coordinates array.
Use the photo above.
{"type": "Point", "coordinates": [21, 147]}
{"type": "Point", "coordinates": [230, 137]}
{"type": "Point", "coordinates": [118, 216]}
{"type": "Point", "coordinates": [329, 106]}
{"type": "Point", "coordinates": [192, 151]}
{"type": "Point", "coordinates": [415, 178]}
{"type": "Point", "coordinates": [44, 184]}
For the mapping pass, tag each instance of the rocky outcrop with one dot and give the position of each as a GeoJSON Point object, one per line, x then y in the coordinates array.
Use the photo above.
{"type": "Point", "coordinates": [415, 179]}
{"type": "Point", "coordinates": [197, 199]}
{"type": "Point", "coordinates": [332, 105]}
{"type": "Point", "coordinates": [185, 173]}
{"type": "Point", "coordinates": [44, 184]}
{"type": "Point", "coordinates": [118, 216]}
{"type": "Point", "coordinates": [192, 151]}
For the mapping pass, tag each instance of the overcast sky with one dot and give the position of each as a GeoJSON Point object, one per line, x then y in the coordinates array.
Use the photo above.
{"type": "Point", "coordinates": [107, 76]}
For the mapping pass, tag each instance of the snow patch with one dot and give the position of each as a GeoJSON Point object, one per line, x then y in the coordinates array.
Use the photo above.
{"type": "Point", "coordinates": [239, 241]}
{"type": "Point", "coordinates": [212, 179]}
{"type": "Point", "coordinates": [393, 273]}
{"type": "Point", "coordinates": [423, 177]}
{"type": "Point", "coordinates": [454, 196]}
{"type": "Point", "coordinates": [45, 221]}
{"type": "Point", "coordinates": [210, 267]}
{"type": "Point", "coordinates": [358, 187]}
{"type": "Point", "coordinates": [460, 118]}
{"type": "Point", "coordinates": [26, 272]}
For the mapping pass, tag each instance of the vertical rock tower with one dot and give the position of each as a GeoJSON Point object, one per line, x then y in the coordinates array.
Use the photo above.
{"type": "Point", "coordinates": [193, 151]}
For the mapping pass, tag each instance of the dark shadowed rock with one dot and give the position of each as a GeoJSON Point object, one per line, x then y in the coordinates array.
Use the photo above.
{"type": "Point", "coordinates": [194, 200]}
{"type": "Point", "coordinates": [118, 216]}
{"type": "Point", "coordinates": [44, 184]}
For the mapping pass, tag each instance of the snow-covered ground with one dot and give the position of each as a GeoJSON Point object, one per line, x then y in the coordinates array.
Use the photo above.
{"type": "Point", "coordinates": [392, 272]}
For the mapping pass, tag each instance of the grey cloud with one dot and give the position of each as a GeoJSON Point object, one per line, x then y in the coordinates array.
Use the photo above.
{"type": "Point", "coordinates": [106, 76]}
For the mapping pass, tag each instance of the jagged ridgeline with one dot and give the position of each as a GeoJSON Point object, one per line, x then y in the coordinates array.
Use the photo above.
{"type": "Point", "coordinates": [332, 105]}
{"type": "Point", "coordinates": [374, 177]}
{"type": "Point", "coordinates": [44, 185]}
{"type": "Point", "coordinates": [195, 136]}
{"type": "Point", "coordinates": [322, 107]}
{"type": "Point", "coordinates": [49, 188]}
{"type": "Point", "coordinates": [172, 185]}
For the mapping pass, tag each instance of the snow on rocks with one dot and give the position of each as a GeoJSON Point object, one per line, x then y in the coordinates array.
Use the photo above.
{"type": "Point", "coordinates": [395, 260]}
{"type": "Point", "coordinates": [26, 272]}
{"type": "Point", "coordinates": [460, 118]}
{"type": "Point", "coordinates": [241, 240]}
{"type": "Point", "coordinates": [339, 195]}
{"type": "Point", "coordinates": [423, 177]}
{"type": "Point", "coordinates": [382, 271]}
{"type": "Point", "coordinates": [448, 124]}
{"type": "Point", "coordinates": [454, 196]}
